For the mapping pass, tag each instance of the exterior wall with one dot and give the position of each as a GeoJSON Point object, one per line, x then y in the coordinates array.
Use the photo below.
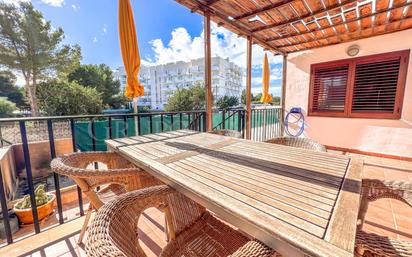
{"type": "Point", "coordinates": [40, 154]}
{"type": "Point", "coordinates": [392, 137]}
{"type": "Point", "coordinates": [161, 81]}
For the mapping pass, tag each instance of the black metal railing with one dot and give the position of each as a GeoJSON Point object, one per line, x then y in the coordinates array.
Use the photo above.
{"type": "Point", "coordinates": [88, 132]}
{"type": "Point", "coordinates": [266, 123]}
{"type": "Point", "coordinates": [98, 128]}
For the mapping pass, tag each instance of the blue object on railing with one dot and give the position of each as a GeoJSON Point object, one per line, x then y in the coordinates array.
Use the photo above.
{"type": "Point", "coordinates": [295, 112]}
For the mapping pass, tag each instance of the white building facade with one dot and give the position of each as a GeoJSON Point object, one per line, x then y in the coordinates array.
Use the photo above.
{"type": "Point", "coordinates": [161, 81]}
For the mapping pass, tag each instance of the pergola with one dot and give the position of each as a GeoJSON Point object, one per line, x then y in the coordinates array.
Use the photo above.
{"type": "Point", "coordinates": [288, 26]}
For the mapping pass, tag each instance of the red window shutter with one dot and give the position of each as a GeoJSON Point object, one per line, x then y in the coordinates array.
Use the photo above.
{"type": "Point", "coordinates": [375, 86]}
{"type": "Point", "coordinates": [329, 89]}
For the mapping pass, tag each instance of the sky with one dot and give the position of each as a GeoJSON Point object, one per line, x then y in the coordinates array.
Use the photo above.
{"type": "Point", "coordinates": [166, 31]}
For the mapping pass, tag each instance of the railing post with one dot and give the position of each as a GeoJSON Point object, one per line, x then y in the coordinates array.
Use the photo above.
{"type": "Point", "coordinates": [139, 127]}
{"type": "Point", "coordinates": [204, 114]}
{"type": "Point", "coordinates": [55, 175]}
{"type": "Point", "coordinates": [79, 190]}
{"type": "Point", "coordinates": [181, 120]}
{"type": "Point", "coordinates": [151, 123]}
{"type": "Point", "coordinates": [243, 123]}
{"type": "Point", "coordinates": [162, 126]}
{"type": "Point", "coordinates": [171, 122]}
{"type": "Point", "coordinates": [5, 211]}
{"type": "Point", "coordinates": [239, 121]}
{"type": "Point", "coordinates": [125, 126]}
{"type": "Point", "coordinates": [26, 154]}
{"type": "Point", "coordinates": [223, 125]}
{"type": "Point", "coordinates": [110, 128]}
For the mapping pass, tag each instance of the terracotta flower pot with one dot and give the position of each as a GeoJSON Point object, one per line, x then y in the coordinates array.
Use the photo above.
{"type": "Point", "coordinates": [26, 216]}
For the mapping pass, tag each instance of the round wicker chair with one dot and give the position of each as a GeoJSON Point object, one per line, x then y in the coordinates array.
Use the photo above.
{"type": "Point", "coordinates": [118, 177]}
{"type": "Point", "coordinates": [227, 132]}
{"type": "Point", "coordinates": [192, 229]}
{"type": "Point", "coordinates": [373, 245]}
{"type": "Point", "coordinates": [299, 142]}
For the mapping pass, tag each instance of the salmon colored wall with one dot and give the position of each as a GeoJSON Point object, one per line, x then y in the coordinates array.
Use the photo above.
{"type": "Point", "coordinates": [373, 135]}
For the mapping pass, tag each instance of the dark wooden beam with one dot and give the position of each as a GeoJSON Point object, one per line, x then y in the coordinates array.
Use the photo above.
{"type": "Point", "coordinates": [245, 31]}
{"type": "Point", "coordinates": [248, 87]}
{"type": "Point", "coordinates": [358, 38]}
{"type": "Point", "coordinates": [298, 18]}
{"type": "Point", "coordinates": [398, 6]}
{"type": "Point", "coordinates": [209, 3]}
{"type": "Point", "coordinates": [263, 9]}
{"type": "Point", "coordinates": [208, 72]}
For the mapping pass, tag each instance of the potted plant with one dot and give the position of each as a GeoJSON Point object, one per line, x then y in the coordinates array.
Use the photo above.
{"type": "Point", "coordinates": [44, 203]}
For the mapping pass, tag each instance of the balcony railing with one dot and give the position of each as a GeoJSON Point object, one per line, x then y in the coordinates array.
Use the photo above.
{"type": "Point", "coordinates": [88, 132]}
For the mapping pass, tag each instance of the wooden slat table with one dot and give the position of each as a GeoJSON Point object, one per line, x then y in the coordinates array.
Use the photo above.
{"type": "Point", "coordinates": [299, 202]}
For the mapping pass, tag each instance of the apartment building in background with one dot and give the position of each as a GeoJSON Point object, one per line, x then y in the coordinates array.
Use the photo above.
{"type": "Point", "coordinates": [161, 81]}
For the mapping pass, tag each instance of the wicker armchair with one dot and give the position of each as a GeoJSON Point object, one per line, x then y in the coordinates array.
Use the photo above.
{"type": "Point", "coordinates": [193, 231]}
{"type": "Point", "coordinates": [299, 142]}
{"type": "Point", "coordinates": [372, 245]}
{"type": "Point", "coordinates": [119, 177]}
{"type": "Point", "coordinates": [227, 132]}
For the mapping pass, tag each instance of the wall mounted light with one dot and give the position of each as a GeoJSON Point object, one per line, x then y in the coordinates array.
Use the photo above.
{"type": "Point", "coordinates": [353, 50]}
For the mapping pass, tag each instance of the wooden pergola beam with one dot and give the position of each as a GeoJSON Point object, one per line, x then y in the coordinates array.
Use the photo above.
{"type": "Point", "coordinates": [298, 18]}
{"type": "Point", "coordinates": [403, 5]}
{"type": "Point", "coordinates": [209, 3]}
{"type": "Point", "coordinates": [360, 37]}
{"type": "Point", "coordinates": [263, 9]}
{"type": "Point", "coordinates": [208, 72]}
{"type": "Point", "coordinates": [244, 31]}
{"type": "Point", "coordinates": [249, 87]}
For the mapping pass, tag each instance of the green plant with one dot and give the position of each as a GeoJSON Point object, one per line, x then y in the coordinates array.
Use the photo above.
{"type": "Point", "coordinates": [6, 108]}
{"type": "Point", "coordinates": [40, 196]}
{"type": "Point", "coordinates": [57, 98]}
{"type": "Point", "coordinates": [226, 102]}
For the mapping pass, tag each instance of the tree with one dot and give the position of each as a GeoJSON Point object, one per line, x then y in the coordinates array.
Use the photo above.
{"type": "Point", "coordinates": [99, 77]}
{"type": "Point", "coordinates": [243, 97]}
{"type": "Point", "coordinates": [9, 90]}
{"type": "Point", "coordinates": [225, 102]}
{"type": "Point", "coordinates": [68, 98]}
{"type": "Point", "coordinates": [29, 45]}
{"type": "Point", "coordinates": [275, 100]}
{"type": "Point", "coordinates": [6, 108]}
{"type": "Point", "coordinates": [187, 99]}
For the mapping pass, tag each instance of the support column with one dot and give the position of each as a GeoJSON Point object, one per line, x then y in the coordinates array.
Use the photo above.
{"type": "Point", "coordinates": [208, 72]}
{"type": "Point", "coordinates": [248, 87]}
{"type": "Point", "coordinates": [283, 98]}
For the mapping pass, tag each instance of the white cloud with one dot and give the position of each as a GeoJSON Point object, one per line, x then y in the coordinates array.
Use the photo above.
{"type": "Point", "coordinates": [183, 47]}
{"type": "Point", "coordinates": [20, 81]}
{"type": "Point", "coordinates": [55, 3]}
{"type": "Point", "coordinates": [15, 1]}
{"type": "Point", "coordinates": [75, 7]}
{"type": "Point", "coordinates": [95, 40]}
{"type": "Point", "coordinates": [104, 29]}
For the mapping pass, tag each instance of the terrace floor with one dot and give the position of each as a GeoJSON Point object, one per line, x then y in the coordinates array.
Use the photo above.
{"type": "Point", "coordinates": [391, 218]}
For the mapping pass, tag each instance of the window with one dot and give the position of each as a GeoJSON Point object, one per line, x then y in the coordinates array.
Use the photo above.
{"type": "Point", "coordinates": [364, 87]}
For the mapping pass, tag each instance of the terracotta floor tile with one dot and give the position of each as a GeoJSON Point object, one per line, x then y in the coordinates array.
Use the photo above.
{"type": "Point", "coordinates": [391, 174]}
{"type": "Point", "coordinates": [373, 172]}
{"type": "Point", "coordinates": [380, 204]}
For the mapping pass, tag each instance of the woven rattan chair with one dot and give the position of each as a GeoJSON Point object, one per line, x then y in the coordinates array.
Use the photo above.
{"type": "Point", "coordinates": [119, 176]}
{"type": "Point", "coordinates": [369, 244]}
{"type": "Point", "coordinates": [193, 231]}
{"type": "Point", "coordinates": [299, 142]}
{"type": "Point", "coordinates": [227, 132]}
